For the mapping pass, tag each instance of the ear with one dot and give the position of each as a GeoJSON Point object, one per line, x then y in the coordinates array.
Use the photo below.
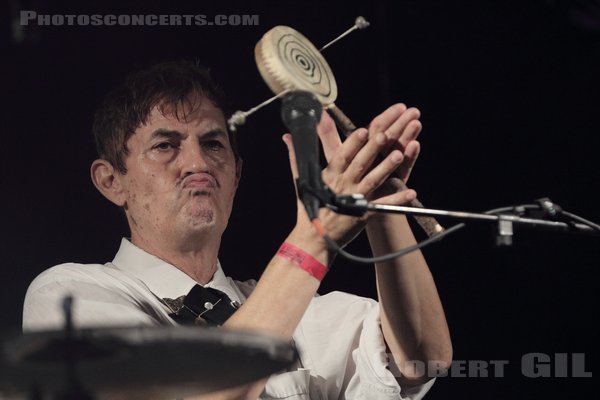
{"type": "Point", "coordinates": [108, 181]}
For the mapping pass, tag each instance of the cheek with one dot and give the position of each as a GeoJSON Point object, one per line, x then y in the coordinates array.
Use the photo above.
{"type": "Point", "coordinates": [231, 194]}
{"type": "Point", "coordinates": [145, 194]}
{"type": "Point", "coordinates": [232, 182]}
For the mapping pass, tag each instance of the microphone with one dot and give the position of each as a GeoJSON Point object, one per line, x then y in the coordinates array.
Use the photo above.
{"type": "Point", "coordinates": [301, 112]}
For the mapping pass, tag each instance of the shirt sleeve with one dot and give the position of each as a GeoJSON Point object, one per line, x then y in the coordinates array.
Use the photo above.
{"type": "Point", "coordinates": [95, 302]}
{"type": "Point", "coordinates": [341, 342]}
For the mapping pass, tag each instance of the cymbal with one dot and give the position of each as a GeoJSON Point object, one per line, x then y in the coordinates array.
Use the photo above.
{"type": "Point", "coordinates": [140, 362]}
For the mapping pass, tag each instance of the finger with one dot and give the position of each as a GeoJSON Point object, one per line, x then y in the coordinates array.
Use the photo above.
{"type": "Point", "coordinates": [404, 129]}
{"type": "Point", "coordinates": [380, 173]}
{"type": "Point", "coordinates": [363, 161]}
{"type": "Point", "coordinates": [329, 136]}
{"type": "Point", "coordinates": [384, 120]}
{"type": "Point", "coordinates": [347, 151]}
{"type": "Point", "coordinates": [411, 132]}
{"type": "Point", "coordinates": [411, 154]}
{"type": "Point", "coordinates": [287, 139]}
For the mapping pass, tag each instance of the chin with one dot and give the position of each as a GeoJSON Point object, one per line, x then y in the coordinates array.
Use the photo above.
{"type": "Point", "coordinates": [201, 217]}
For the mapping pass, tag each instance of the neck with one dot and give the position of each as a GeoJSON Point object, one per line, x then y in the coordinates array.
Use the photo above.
{"type": "Point", "coordinates": [197, 257]}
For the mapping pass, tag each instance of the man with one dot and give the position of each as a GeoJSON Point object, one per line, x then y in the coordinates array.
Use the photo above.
{"type": "Point", "coordinates": [167, 159]}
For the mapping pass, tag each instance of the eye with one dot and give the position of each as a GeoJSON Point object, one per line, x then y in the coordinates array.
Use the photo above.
{"type": "Point", "coordinates": [164, 146]}
{"type": "Point", "coordinates": [213, 145]}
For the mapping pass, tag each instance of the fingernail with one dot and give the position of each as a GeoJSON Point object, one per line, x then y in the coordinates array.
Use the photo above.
{"type": "Point", "coordinates": [397, 156]}
{"type": "Point", "coordinates": [411, 195]}
{"type": "Point", "coordinates": [362, 134]}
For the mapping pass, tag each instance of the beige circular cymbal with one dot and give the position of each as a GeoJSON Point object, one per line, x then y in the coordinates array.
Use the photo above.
{"type": "Point", "coordinates": [137, 363]}
{"type": "Point", "coordinates": [288, 61]}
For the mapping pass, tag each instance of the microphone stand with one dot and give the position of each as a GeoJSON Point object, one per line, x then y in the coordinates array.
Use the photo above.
{"type": "Point", "coordinates": [358, 205]}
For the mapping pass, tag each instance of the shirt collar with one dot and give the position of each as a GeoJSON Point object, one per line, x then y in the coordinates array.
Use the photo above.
{"type": "Point", "coordinates": [162, 278]}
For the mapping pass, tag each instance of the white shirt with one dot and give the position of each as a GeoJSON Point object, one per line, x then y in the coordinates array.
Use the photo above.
{"type": "Point", "coordinates": [342, 352]}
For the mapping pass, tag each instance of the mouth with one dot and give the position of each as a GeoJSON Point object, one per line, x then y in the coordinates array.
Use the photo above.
{"type": "Point", "coordinates": [199, 181]}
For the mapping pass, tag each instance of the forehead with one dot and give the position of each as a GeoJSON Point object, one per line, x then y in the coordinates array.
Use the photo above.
{"type": "Point", "coordinates": [188, 116]}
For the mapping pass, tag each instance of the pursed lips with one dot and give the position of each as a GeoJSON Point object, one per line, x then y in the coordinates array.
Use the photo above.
{"type": "Point", "coordinates": [199, 181]}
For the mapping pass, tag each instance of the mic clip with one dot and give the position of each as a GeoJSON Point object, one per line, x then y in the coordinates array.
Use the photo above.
{"type": "Point", "coordinates": [350, 204]}
{"type": "Point", "coordinates": [314, 198]}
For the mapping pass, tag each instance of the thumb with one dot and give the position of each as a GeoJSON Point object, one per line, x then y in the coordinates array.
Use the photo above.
{"type": "Point", "coordinates": [330, 138]}
{"type": "Point", "coordinates": [287, 139]}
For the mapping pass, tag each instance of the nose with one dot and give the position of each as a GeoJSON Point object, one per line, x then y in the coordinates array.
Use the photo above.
{"type": "Point", "coordinates": [192, 159]}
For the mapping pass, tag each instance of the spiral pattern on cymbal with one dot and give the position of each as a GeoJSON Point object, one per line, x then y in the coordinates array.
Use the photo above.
{"type": "Point", "coordinates": [287, 60]}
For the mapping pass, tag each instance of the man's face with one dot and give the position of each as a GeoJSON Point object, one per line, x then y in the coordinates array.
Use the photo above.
{"type": "Point", "coordinates": [181, 175]}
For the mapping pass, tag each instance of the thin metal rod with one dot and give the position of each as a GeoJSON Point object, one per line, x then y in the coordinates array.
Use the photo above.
{"type": "Point", "coordinates": [359, 23]}
{"type": "Point", "coordinates": [239, 117]}
{"type": "Point", "coordinates": [478, 216]}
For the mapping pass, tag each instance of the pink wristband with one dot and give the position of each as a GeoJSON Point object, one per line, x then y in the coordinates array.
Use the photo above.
{"type": "Point", "coordinates": [303, 260]}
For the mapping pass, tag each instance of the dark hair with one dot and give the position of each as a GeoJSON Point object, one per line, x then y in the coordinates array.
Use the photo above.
{"type": "Point", "coordinates": [174, 86]}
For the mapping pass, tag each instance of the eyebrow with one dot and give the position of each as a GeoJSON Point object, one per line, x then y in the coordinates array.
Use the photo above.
{"type": "Point", "coordinates": [175, 134]}
{"type": "Point", "coordinates": [166, 133]}
{"type": "Point", "coordinates": [214, 133]}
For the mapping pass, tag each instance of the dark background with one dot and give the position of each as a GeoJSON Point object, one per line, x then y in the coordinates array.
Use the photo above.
{"type": "Point", "coordinates": [510, 102]}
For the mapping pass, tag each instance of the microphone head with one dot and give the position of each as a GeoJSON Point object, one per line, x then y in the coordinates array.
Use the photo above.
{"type": "Point", "coordinates": [298, 105]}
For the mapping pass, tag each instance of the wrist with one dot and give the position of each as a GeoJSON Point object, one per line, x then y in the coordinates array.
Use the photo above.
{"type": "Point", "coordinates": [306, 233]}
{"type": "Point", "coordinates": [302, 260]}
{"type": "Point", "coordinates": [307, 239]}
